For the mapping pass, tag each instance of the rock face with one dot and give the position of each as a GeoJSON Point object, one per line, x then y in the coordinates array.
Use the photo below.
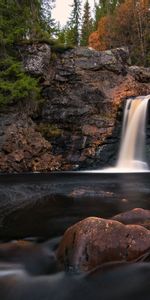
{"type": "Point", "coordinates": [94, 241]}
{"type": "Point", "coordinates": [84, 93]}
{"type": "Point", "coordinates": [140, 74]}
{"type": "Point", "coordinates": [23, 148]}
{"type": "Point", "coordinates": [37, 58]}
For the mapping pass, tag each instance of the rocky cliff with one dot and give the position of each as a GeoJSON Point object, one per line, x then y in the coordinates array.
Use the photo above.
{"type": "Point", "coordinates": [79, 122]}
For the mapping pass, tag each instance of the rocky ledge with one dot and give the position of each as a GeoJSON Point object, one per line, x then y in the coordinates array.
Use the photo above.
{"type": "Point", "coordinates": [78, 125]}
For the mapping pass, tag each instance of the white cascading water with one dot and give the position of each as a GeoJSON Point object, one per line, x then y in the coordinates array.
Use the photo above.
{"type": "Point", "coordinates": [131, 154]}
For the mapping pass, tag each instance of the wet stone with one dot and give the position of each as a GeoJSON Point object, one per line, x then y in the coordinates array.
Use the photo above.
{"type": "Point", "coordinates": [135, 216]}
{"type": "Point", "coordinates": [94, 241]}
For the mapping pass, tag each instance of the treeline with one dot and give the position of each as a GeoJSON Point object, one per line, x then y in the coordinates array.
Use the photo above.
{"type": "Point", "coordinates": [123, 23]}
{"type": "Point", "coordinates": [79, 26]}
{"type": "Point", "coordinates": [114, 23]}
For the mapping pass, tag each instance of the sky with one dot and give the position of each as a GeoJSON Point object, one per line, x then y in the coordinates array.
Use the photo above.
{"type": "Point", "coordinates": [62, 9]}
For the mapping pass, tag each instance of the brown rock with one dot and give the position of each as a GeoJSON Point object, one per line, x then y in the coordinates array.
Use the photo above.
{"type": "Point", "coordinates": [129, 87]}
{"type": "Point", "coordinates": [25, 149]}
{"type": "Point", "coordinates": [94, 241]}
{"type": "Point", "coordinates": [139, 73]}
{"type": "Point", "coordinates": [135, 216]}
{"type": "Point", "coordinates": [93, 130]}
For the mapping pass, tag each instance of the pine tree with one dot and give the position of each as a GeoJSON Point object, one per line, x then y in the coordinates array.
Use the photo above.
{"type": "Point", "coordinates": [73, 25]}
{"type": "Point", "coordinates": [104, 8]}
{"type": "Point", "coordinates": [19, 20]}
{"type": "Point", "coordinates": [87, 24]}
{"type": "Point", "coordinates": [61, 34]}
{"type": "Point", "coordinates": [48, 23]}
{"type": "Point", "coordinates": [25, 19]}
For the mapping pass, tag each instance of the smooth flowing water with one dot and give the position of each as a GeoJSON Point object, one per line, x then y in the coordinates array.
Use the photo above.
{"type": "Point", "coordinates": [131, 157]}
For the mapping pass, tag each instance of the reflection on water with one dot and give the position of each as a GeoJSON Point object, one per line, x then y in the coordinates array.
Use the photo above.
{"type": "Point", "coordinates": [61, 199]}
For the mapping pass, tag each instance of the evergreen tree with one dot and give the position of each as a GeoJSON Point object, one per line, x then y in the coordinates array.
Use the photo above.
{"type": "Point", "coordinates": [25, 19]}
{"type": "Point", "coordinates": [48, 23]}
{"type": "Point", "coordinates": [19, 20]}
{"type": "Point", "coordinates": [101, 9]}
{"type": "Point", "coordinates": [73, 25]}
{"type": "Point", "coordinates": [104, 8]}
{"type": "Point", "coordinates": [61, 34]}
{"type": "Point", "coordinates": [87, 25]}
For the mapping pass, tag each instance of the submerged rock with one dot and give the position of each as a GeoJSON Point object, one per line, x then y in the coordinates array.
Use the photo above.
{"type": "Point", "coordinates": [36, 259]}
{"type": "Point", "coordinates": [94, 241]}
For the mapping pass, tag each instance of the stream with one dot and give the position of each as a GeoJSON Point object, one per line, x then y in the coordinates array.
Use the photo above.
{"type": "Point", "coordinates": [38, 208]}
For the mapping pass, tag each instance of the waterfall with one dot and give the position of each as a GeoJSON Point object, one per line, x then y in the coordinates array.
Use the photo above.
{"type": "Point", "coordinates": [131, 154]}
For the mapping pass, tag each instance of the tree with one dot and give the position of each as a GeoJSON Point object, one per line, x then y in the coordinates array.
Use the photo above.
{"type": "Point", "coordinates": [131, 28]}
{"type": "Point", "coordinates": [127, 25]}
{"type": "Point", "coordinates": [87, 24]}
{"type": "Point", "coordinates": [15, 85]}
{"type": "Point", "coordinates": [48, 23]}
{"type": "Point", "coordinates": [20, 20]}
{"type": "Point", "coordinates": [61, 34]}
{"type": "Point", "coordinates": [13, 26]}
{"type": "Point", "coordinates": [25, 19]}
{"type": "Point", "coordinates": [94, 41]}
{"type": "Point", "coordinates": [101, 39]}
{"type": "Point", "coordinates": [73, 25]}
{"type": "Point", "coordinates": [104, 8]}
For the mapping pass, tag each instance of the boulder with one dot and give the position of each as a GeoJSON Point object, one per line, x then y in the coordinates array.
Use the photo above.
{"type": "Point", "coordinates": [135, 216]}
{"type": "Point", "coordinates": [94, 241]}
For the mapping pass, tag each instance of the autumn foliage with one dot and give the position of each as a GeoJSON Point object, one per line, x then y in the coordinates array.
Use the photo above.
{"type": "Point", "coordinates": [94, 40]}
{"type": "Point", "coordinates": [128, 25]}
{"type": "Point", "coordinates": [101, 39]}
